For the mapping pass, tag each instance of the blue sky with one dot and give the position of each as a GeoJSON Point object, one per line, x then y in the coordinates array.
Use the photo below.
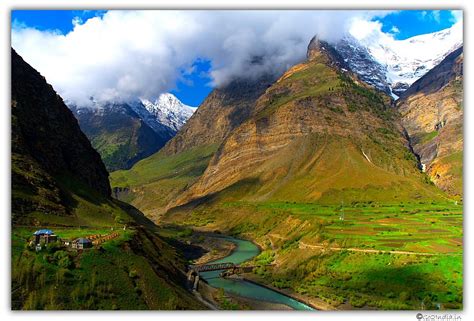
{"type": "Point", "coordinates": [193, 86]}
{"type": "Point", "coordinates": [410, 23]}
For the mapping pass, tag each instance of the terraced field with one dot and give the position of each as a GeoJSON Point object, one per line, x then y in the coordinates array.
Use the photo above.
{"type": "Point", "coordinates": [414, 227]}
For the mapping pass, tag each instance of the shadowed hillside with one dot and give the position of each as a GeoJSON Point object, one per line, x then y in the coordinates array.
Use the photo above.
{"type": "Point", "coordinates": [60, 182]}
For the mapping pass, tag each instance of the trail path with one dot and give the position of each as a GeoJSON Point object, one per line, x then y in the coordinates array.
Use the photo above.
{"type": "Point", "coordinates": [303, 245]}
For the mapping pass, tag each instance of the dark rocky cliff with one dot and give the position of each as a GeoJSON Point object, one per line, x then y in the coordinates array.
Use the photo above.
{"type": "Point", "coordinates": [47, 143]}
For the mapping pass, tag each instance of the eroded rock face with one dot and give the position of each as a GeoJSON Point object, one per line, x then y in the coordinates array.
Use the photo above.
{"type": "Point", "coordinates": [432, 114]}
{"type": "Point", "coordinates": [46, 138]}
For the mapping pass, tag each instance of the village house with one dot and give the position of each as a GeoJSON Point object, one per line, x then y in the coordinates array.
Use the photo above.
{"type": "Point", "coordinates": [81, 243]}
{"type": "Point", "coordinates": [44, 236]}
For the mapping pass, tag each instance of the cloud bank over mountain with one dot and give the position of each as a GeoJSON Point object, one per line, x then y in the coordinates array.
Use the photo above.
{"type": "Point", "coordinates": [127, 54]}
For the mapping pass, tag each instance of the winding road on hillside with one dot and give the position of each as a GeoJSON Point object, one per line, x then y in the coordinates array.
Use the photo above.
{"type": "Point", "coordinates": [303, 245]}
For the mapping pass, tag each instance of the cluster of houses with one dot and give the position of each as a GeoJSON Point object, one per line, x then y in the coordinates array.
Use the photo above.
{"type": "Point", "coordinates": [46, 236]}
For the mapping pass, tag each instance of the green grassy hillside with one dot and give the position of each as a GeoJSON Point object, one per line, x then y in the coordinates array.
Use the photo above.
{"type": "Point", "coordinates": [155, 181]}
{"type": "Point", "coordinates": [136, 271]}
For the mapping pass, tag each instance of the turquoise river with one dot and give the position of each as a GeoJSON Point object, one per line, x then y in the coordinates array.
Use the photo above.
{"type": "Point", "coordinates": [244, 251]}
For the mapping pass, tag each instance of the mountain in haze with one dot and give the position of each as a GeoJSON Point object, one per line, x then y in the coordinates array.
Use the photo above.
{"type": "Point", "coordinates": [432, 113]}
{"type": "Point", "coordinates": [124, 133]}
{"type": "Point", "coordinates": [393, 65]}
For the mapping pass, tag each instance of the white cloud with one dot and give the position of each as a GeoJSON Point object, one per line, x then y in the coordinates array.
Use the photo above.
{"type": "Point", "coordinates": [128, 54]}
{"type": "Point", "coordinates": [457, 15]}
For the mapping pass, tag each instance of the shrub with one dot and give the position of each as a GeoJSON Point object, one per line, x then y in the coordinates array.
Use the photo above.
{"type": "Point", "coordinates": [65, 262]}
{"type": "Point", "coordinates": [404, 296]}
{"type": "Point", "coordinates": [357, 302]}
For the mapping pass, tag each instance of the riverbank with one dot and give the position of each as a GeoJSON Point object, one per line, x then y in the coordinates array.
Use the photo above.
{"type": "Point", "coordinates": [224, 249]}
{"type": "Point", "coordinates": [215, 299]}
{"type": "Point", "coordinates": [236, 293]}
{"type": "Point", "coordinates": [215, 247]}
{"type": "Point", "coordinates": [315, 303]}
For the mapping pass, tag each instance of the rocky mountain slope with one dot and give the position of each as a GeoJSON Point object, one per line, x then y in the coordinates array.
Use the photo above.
{"type": "Point", "coordinates": [222, 111]}
{"type": "Point", "coordinates": [119, 134]}
{"type": "Point", "coordinates": [432, 113]}
{"type": "Point", "coordinates": [124, 133]}
{"type": "Point", "coordinates": [362, 63]}
{"type": "Point", "coordinates": [315, 134]}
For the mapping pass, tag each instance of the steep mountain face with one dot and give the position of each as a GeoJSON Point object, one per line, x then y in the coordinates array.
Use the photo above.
{"type": "Point", "coordinates": [119, 134]}
{"type": "Point", "coordinates": [47, 143]}
{"type": "Point", "coordinates": [361, 62]}
{"type": "Point", "coordinates": [432, 114]}
{"type": "Point", "coordinates": [393, 65]}
{"type": "Point", "coordinates": [318, 133]}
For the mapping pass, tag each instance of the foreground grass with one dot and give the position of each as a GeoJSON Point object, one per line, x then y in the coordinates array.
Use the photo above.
{"type": "Point", "coordinates": [122, 274]}
{"type": "Point", "coordinates": [369, 280]}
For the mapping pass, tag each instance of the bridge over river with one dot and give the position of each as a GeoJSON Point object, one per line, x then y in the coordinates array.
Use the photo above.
{"type": "Point", "coordinates": [222, 266]}
{"type": "Point", "coordinates": [214, 274]}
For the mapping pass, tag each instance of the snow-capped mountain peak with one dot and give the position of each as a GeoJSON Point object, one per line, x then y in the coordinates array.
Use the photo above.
{"type": "Point", "coordinates": [166, 114]}
{"type": "Point", "coordinates": [168, 110]}
{"type": "Point", "coordinates": [393, 65]}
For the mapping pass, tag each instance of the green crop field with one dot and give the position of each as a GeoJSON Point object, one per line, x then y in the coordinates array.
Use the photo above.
{"type": "Point", "coordinates": [418, 227]}
{"type": "Point", "coordinates": [404, 255]}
